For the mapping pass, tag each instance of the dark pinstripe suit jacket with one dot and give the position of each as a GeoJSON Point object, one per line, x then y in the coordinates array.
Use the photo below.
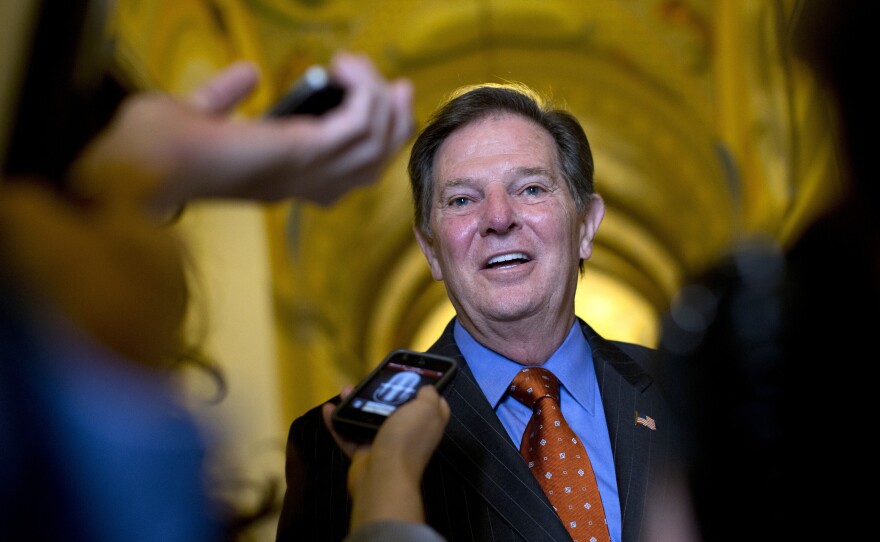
{"type": "Point", "coordinates": [477, 486]}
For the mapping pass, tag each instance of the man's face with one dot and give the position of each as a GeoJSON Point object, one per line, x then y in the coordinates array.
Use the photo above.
{"type": "Point", "coordinates": [507, 237]}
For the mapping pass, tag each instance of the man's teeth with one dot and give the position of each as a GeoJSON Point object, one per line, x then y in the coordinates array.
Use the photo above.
{"type": "Point", "coordinates": [500, 260]}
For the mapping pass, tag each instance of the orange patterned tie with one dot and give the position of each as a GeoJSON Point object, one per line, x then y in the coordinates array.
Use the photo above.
{"type": "Point", "coordinates": [558, 459]}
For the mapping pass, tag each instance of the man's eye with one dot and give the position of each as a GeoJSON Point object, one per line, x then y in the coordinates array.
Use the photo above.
{"type": "Point", "coordinates": [533, 190]}
{"type": "Point", "coordinates": [460, 201]}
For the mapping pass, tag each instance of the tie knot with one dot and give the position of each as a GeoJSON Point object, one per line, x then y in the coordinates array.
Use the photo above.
{"type": "Point", "coordinates": [532, 384]}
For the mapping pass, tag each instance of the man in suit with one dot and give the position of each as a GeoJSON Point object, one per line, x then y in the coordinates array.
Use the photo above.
{"type": "Point", "coordinates": [506, 214]}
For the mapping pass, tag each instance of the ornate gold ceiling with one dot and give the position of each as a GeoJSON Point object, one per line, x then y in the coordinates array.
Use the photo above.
{"type": "Point", "coordinates": [704, 129]}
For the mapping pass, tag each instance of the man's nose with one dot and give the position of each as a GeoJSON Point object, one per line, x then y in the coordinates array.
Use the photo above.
{"type": "Point", "coordinates": [500, 215]}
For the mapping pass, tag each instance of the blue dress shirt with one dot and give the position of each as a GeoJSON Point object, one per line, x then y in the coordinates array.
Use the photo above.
{"type": "Point", "coordinates": [580, 401]}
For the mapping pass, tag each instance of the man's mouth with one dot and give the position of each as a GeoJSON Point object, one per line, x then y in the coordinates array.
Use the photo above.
{"type": "Point", "coordinates": [507, 260]}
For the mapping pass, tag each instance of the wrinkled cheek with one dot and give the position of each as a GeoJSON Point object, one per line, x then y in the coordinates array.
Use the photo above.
{"type": "Point", "coordinates": [456, 237]}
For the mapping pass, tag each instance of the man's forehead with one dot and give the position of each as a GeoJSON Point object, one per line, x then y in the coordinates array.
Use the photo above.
{"type": "Point", "coordinates": [510, 174]}
{"type": "Point", "coordinates": [500, 122]}
{"type": "Point", "coordinates": [512, 140]}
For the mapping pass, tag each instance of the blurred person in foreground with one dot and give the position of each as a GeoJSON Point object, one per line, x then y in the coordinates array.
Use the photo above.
{"type": "Point", "coordinates": [767, 356]}
{"type": "Point", "coordinates": [94, 445]}
{"type": "Point", "coordinates": [506, 214]}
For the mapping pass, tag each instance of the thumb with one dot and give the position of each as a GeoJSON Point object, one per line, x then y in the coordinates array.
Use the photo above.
{"type": "Point", "coordinates": [223, 91]}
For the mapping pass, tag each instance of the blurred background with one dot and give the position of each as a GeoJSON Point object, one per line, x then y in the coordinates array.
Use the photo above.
{"type": "Point", "coordinates": [705, 130]}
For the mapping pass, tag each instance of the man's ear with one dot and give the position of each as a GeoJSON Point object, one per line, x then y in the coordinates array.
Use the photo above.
{"type": "Point", "coordinates": [590, 225]}
{"type": "Point", "coordinates": [427, 246]}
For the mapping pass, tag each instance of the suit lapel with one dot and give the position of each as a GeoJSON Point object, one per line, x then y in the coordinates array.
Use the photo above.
{"type": "Point", "coordinates": [622, 383]}
{"type": "Point", "coordinates": [477, 450]}
{"type": "Point", "coordinates": [477, 447]}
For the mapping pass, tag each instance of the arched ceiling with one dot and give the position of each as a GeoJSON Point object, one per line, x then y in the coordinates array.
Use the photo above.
{"type": "Point", "coordinates": [698, 117]}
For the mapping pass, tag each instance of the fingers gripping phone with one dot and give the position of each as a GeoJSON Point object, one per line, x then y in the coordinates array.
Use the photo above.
{"type": "Point", "coordinates": [314, 93]}
{"type": "Point", "coordinates": [392, 383]}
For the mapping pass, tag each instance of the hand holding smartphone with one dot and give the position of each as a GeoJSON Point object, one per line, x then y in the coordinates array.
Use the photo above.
{"type": "Point", "coordinates": [314, 93]}
{"type": "Point", "coordinates": [392, 383]}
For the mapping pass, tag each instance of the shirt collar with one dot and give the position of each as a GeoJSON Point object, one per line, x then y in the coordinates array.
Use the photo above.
{"type": "Point", "coordinates": [572, 363]}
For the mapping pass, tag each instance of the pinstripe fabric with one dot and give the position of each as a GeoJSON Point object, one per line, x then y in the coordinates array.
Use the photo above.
{"type": "Point", "coordinates": [477, 488]}
{"type": "Point", "coordinates": [316, 505]}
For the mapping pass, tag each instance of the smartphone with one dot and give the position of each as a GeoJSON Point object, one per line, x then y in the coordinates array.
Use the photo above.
{"type": "Point", "coordinates": [390, 385]}
{"type": "Point", "coordinates": [314, 93]}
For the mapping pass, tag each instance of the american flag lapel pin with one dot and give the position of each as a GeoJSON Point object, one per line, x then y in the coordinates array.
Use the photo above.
{"type": "Point", "coordinates": [647, 421]}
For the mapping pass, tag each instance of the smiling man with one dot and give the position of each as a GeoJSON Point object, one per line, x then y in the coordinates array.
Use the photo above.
{"type": "Point", "coordinates": [506, 215]}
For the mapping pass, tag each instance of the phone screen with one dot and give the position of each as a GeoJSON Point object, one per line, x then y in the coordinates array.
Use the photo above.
{"type": "Point", "coordinates": [393, 386]}
{"type": "Point", "coordinates": [394, 382]}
